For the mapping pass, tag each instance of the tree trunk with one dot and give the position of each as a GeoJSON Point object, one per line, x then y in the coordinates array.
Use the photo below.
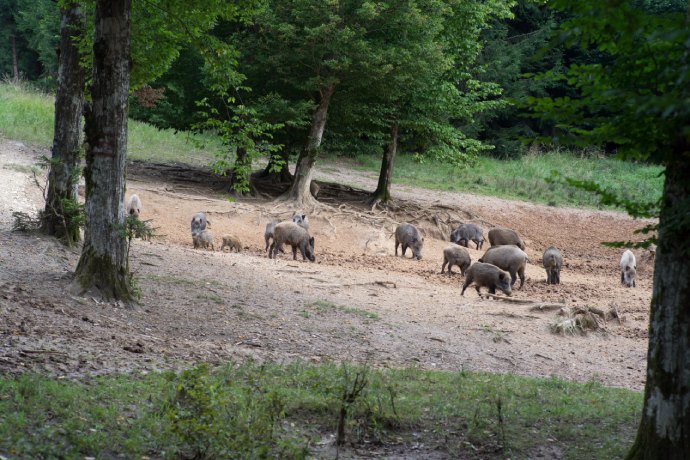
{"type": "Point", "coordinates": [15, 67]}
{"type": "Point", "coordinates": [664, 430]}
{"type": "Point", "coordinates": [279, 177]}
{"type": "Point", "coordinates": [239, 179]}
{"type": "Point", "coordinates": [383, 190]}
{"type": "Point", "coordinates": [300, 189]}
{"type": "Point", "coordinates": [103, 263]}
{"type": "Point", "coordinates": [58, 219]}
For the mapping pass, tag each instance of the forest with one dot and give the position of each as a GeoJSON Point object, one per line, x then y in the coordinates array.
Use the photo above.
{"type": "Point", "coordinates": [268, 91]}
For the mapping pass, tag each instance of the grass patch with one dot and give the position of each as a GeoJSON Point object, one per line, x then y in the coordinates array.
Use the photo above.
{"type": "Point", "coordinates": [323, 306]}
{"type": "Point", "coordinates": [523, 178]}
{"type": "Point", "coordinates": [276, 411]}
{"type": "Point", "coordinates": [27, 115]}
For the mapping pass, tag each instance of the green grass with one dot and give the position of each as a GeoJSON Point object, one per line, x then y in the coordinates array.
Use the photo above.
{"type": "Point", "coordinates": [27, 115]}
{"type": "Point", "coordinates": [323, 306]}
{"type": "Point", "coordinates": [271, 411]}
{"type": "Point", "coordinates": [523, 178]}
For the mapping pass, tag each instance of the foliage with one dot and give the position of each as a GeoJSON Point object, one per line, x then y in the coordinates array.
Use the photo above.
{"type": "Point", "coordinates": [636, 96]}
{"type": "Point", "coordinates": [275, 411]}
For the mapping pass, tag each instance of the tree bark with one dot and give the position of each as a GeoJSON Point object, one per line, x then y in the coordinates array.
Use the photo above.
{"type": "Point", "coordinates": [279, 177]}
{"type": "Point", "coordinates": [103, 263]}
{"type": "Point", "coordinates": [383, 190]}
{"type": "Point", "coordinates": [64, 172]}
{"type": "Point", "coordinates": [300, 189]}
{"type": "Point", "coordinates": [664, 430]}
{"type": "Point", "coordinates": [15, 67]}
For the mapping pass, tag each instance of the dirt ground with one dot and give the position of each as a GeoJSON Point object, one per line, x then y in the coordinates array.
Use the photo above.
{"type": "Point", "coordinates": [357, 303]}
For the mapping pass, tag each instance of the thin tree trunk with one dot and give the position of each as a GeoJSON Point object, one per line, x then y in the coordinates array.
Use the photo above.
{"type": "Point", "coordinates": [300, 189]}
{"type": "Point", "coordinates": [15, 67]}
{"type": "Point", "coordinates": [281, 176]}
{"type": "Point", "coordinates": [240, 171]}
{"type": "Point", "coordinates": [383, 191]}
{"type": "Point", "coordinates": [57, 219]}
{"type": "Point", "coordinates": [664, 430]}
{"type": "Point", "coordinates": [103, 263]}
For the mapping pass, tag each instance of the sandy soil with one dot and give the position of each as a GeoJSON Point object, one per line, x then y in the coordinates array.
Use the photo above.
{"type": "Point", "coordinates": [358, 302]}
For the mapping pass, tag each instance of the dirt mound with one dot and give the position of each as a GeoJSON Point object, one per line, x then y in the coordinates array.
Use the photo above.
{"type": "Point", "coordinates": [357, 302]}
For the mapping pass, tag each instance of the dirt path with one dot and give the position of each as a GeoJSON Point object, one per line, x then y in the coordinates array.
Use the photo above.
{"type": "Point", "coordinates": [357, 302]}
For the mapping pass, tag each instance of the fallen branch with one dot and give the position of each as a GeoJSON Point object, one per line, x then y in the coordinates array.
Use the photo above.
{"type": "Point", "coordinates": [547, 306]}
{"type": "Point", "coordinates": [387, 284]}
{"type": "Point", "coordinates": [511, 299]}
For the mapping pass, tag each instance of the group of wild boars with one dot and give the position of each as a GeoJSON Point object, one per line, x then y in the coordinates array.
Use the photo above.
{"type": "Point", "coordinates": [294, 235]}
{"type": "Point", "coordinates": [408, 236]}
{"type": "Point", "coordinates": [134, 206]}
{"type": "Point", "coordinates": [456, 255]}
{"type": "Point", "coordinates": [509, 258]}
{"type": "Point", "coordinates": [232, 243]}
{"type": "Point", "coordinates": [466, 233]}
{"type": "Point", "coordinates": [501, 236]}
{"type": "Point", "coordinates": [628, 269]}
{"type": "Point", "coordinates": [488, 276]}
{"type": "Point", "coordinates": [553, 261]}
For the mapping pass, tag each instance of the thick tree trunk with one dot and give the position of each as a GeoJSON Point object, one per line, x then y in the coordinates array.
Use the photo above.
{"type": "Point", "coordinates": [383, 190]}
{"type": "Point", "coordinates": [103, 263]}
{"type": "Point", "coordinates": [57, 219]}
{"type": "Point", "coordinates": [15, 67]}
{"type": "Point", "coordinates": [300, 189]}
{"type": "Point", "coordinates": [664, 431]}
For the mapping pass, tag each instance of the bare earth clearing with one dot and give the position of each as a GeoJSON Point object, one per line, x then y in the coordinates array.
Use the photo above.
{"type": "Point", "coordinates": [357, 303]}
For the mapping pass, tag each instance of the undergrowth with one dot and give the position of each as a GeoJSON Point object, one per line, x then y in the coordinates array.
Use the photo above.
{"type": "Point", "coordinates": [286, 411]}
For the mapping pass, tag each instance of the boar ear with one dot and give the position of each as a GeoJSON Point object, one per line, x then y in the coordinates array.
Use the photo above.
{"type": "Point", "coordinates": [311, 241]}
{"type": "Point", "coordinates": [304, 216]}
{"type": "Point", "coordinates": [501, 276]}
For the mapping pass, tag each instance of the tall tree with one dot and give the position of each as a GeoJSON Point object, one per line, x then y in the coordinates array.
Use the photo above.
{"type": "Point", "coordinates": [61, 216]}
{"type": "Point", "coordinates": [103, 264]}
{"type": "Point", "coordinates": [639, 99]}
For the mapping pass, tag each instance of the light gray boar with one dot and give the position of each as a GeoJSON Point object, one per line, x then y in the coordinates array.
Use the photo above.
{"type": "Point", "coordinates": [553, 261]}
{"type": "Point", "coordinates": [509, 258]}
{"type": "Point", "coordinates": [408, 236]}
{"type": "Point", "coordinates": [455, 255]}
{"type": "Point", "coordinates": [203, 239]}
{"type": "Point", "coordinates": [231, 242]}
{"type": "Point", "coordinates": [294, 235]}
{"type": "Point", "coordinates": [301, 219]}
{"type": "Point", "coordinates": [134, 206]}
{"type": "Point", "coordinates": [466, 233]}
{"type": "Point", "coordinates": [268, 233]}
{"type": "Point", "coordinates": [499, 236]}
{"type": "Point", "coordinates": [628, 268]}
{"type": "Point", "coordinates": [199, 222]}
{"type": "Point", "coordinates": [488, 276]}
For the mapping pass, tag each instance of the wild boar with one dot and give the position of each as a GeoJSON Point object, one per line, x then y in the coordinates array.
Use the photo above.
{"type": "Point", "coordinates": [199, 222]}
{"type": "Point", "coordinates": [301, 219]}
{"type": "Point", "coordinates": [628, 268]}
{"type": "Point", "coordinates": [134, 206]}
{"type": "Point", "coordinates": [499, 236]}
{"type": "Point", "coordinates": [408, 236]}
{"type": "Point", "coordinates": [231, 242]}
{"type": "Point", "coordinates": [203, 239]}
{"type": "Point", "coordinates": [553, 261]}
{"type": "Point", "coordinates": [456, 255]}
{"type": "Point", "coordinates": [294, 235]}
{"type": "Point", "coordinates": [466, 233]}
{"type": "Point", "coordinates": [509, 258]}
{"type": "Point", "coordinates": [487, 275]}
